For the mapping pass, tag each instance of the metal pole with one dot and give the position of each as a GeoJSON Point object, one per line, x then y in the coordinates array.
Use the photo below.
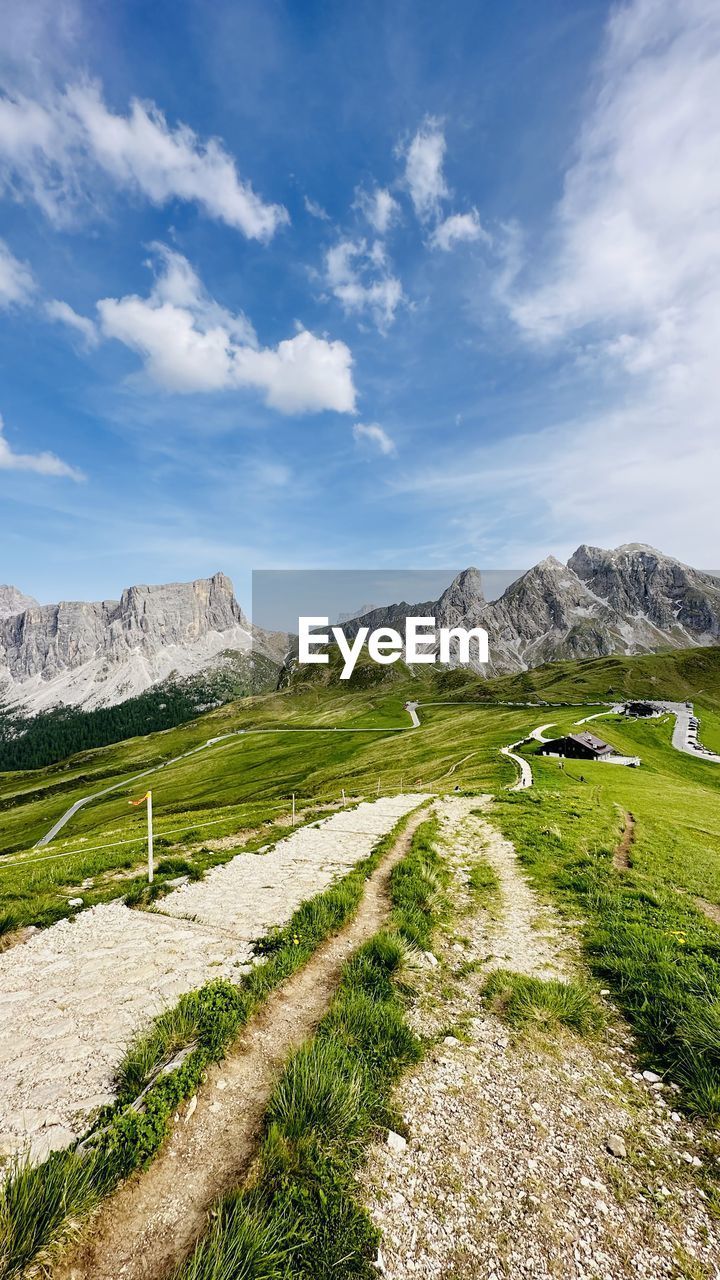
{"type": "Point", "coordinates": [343, 791]}
{"type": "Point", "coordinates": [150, 837]}
{"type": "Point", "coordinates": [293, 815]}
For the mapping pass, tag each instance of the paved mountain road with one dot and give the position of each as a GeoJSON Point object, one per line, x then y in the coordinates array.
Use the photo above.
{"type": "Point", "coordinates": [225, 739]}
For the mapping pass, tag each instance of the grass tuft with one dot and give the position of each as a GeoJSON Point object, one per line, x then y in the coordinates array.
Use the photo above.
{"type": "Point", "coordinates": [525, 1001]}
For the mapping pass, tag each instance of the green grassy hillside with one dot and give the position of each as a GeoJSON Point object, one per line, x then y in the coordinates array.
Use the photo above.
{"type": "Point", "coordinates": [297, 740]}
{"type": "Point", "coordinates": [677, 675]}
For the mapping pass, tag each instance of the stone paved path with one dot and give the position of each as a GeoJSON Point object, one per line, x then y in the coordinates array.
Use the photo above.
{"type": "Point", "coordinates": [73, 997]}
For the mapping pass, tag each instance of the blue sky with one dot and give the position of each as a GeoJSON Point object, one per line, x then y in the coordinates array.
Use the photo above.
{"type": "Point", "coordinates": [289, 285]}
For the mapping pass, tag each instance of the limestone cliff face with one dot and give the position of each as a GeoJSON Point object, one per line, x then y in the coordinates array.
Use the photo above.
{"type": "Point", "coordinates": [94, 654]}
{"type": "Point", "coordinates": [639, 582]}
{"type": "Point", "coordinates": [13, 601]}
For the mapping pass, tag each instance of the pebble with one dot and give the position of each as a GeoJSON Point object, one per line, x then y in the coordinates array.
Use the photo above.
{"type": "Point", "coordinates": [395, 1141]}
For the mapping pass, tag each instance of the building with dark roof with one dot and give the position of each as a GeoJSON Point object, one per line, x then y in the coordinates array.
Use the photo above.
{"type": "Point", "coordinates": [577, 746]}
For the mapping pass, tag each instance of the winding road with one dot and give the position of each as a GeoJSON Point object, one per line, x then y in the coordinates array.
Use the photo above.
{"type": "Point", "coordinates": [680, 741]}
{"type": "Point", "coordinates": [225, 739]}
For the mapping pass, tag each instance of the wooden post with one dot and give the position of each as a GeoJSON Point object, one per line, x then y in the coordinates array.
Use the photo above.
{"type": "Point", "coordinates": [293, 811]}
{"type": "Point", "coordinates": [343, 794]}
{"type": "Point", "coordinates": [150, 837]}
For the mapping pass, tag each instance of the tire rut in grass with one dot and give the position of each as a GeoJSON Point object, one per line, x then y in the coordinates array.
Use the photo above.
{"type": "Point", "coordinates": [621, 853]}
{"type": "Point", "coordinates": [151, 1223]}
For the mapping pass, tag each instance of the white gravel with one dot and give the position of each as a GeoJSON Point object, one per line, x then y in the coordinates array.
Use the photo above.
{"type": "Point", "coordinates": [73, 996]}
{"type": "Point", "coordinates": [506, 1172]}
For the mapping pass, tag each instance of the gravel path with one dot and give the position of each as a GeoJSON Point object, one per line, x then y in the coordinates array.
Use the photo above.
{"type": "Point", "coordinates": [73, 997]}
{"type": "Point", "coordinates": [152, 1221]}
{"type": "Point", "coordinates": [507, 1172]}
{"type": "Point", "coordinates": [526, 775]}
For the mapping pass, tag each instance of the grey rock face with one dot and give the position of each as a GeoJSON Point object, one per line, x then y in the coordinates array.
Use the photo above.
{"type": "Point", "coordinates": [13, 601]}
{"type": "Point", "coordinates": [637, 580]}
{"type": "Point", "coordinates": [47, 639]}
{"type": "Point", "coordinates": [94, 654]}
{"type": "Point", "coordinates": [630, 600]}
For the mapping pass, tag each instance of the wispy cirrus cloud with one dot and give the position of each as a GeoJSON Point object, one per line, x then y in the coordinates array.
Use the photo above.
{"type": "Point", "coordinates": [16, 279]}
{"type": "Point", "coordinates": [53, 150]}
{"type": "Point", "coordinates": [373, 434]}
{"type": "Point", "coordinates": [315, 209]}
{"type": "Point", "coordinates": [42, 464]}
{"type": "Point", "coordinates": [459, 228]}
{"type": "Point", "coordinates": [64, 314]}
{"type": "Point", "coordinates": [623, 294]}
{"type": "Point", "coordinates": [429, 191]}
{"type": "Point", "coordinates": [379, 207]}
{"type": "Point", "coordinates": [424, 176]}
{"type": "Point", "coordinates": [359, 276]}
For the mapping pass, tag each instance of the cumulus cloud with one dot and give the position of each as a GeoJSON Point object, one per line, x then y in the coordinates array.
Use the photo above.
{"type": "Point", "coordinates": [52, 151]}
{"type": "Point", "coordinates": [43, 464]}
{"type": "Point", "coordinates": [359, 277]}
{"type": "Point", "coordinates": [64, 314]}
{"type": "Point", "coordinates": [16, 280]}
{"type": "Point", "coordinates": [379, 207]}
{"type": "Point", "coordinates": [189, 343]}
{"type": "Point", "coordinates": [424, 170]}
{"type": "Point", "coordinates": [457, 228]}
{"type": "Point", "coordinates": [374, 434]}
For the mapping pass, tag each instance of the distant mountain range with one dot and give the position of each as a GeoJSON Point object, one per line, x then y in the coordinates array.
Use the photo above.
{"type": "Point", "coordinates": [94, 655]}
{"type": "Point", "coordinates": [630, 600]}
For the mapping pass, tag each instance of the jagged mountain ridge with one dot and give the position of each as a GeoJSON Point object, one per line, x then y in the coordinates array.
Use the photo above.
{"type": "Point", "coordinates": [630, 600]}
{"type": "Point", "coordinates": [98, 654]}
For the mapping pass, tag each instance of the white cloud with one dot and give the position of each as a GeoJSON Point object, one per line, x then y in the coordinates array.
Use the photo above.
{"type": "Point", "coordinates": [52, 150]}
{"type": "Point", "coordinates": [43, 464]}
{"type": "Point", "coordinates": [458, 228]}
{"type": "Point", "coordinates": [379, 207]}
{"type": "Point", "coordinates": [64, 314]}
{"type": "Point", "coordinates": [637, 229]}
{"type": "Point", "coordinates": [316, 210]}
{"type": "Point", "coordinates": [16, 281]}
{"type": "Point", "coordinates": [424, 170]}
{"type": "Point", "coordinates": [628, 290]}
{"type": "Point", "coordinates": [375, 435]}
{"type": "Point", "coordinates": [189, 343]}
{"type": "Point", "coordinates": [359, 277]}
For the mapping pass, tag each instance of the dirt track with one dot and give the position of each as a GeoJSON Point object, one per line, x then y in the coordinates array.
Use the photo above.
{"type": "Point", "coordinates": [153, 1220]}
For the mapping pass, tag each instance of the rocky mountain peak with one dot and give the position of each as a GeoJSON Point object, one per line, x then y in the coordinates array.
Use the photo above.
{"type": "Point", "coordinates": [99, 653]}
{"type": "Point", "coordinates": [13, 601]}
{"type": "Point", "coordinates": [463, 599]}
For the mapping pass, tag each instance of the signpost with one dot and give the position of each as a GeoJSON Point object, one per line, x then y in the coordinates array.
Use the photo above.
{"type": "Point", "coordinates": [148, 797]}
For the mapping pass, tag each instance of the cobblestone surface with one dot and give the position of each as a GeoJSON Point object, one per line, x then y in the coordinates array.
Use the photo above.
{"type": "Point", "coordinates": [73, 996]}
